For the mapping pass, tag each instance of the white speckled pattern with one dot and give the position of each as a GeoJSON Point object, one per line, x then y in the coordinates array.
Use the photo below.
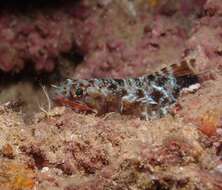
{"type": "Point", "coordinates": [148, 96]}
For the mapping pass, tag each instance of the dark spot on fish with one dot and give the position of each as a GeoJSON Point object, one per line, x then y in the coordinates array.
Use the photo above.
{"type": "Point", "coordinates": [123, 92]}
{"type": "Point", "coordinates": [112, 86]}
{"type": "Point", "coordinates": [120, 82]}
{"type": "Point", "coordinates": [138, 82]}
{"type": "Point", "coordinates": [186, 81]}
{"type": "Point", "coordinates": [156, 95]}
{"type": "Point", "coordinates": [151, 77]}
{"type": "Point", "coordinates": [140, 93]}
{"type": "Point", "coordinates": [161, 80]}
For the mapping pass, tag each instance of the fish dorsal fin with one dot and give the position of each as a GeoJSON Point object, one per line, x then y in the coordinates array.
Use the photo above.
{"type": "Point", "coordinates": [181, 69]}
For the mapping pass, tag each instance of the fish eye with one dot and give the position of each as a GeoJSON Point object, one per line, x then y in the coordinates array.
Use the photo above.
{"type": "Point", "coordinates": [79, 92]}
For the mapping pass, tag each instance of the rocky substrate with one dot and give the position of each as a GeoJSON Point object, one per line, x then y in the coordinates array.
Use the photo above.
{"type": "Point", "coordinates": [55, 148]}
{"type": "Point", "coordinates": [66, 150]}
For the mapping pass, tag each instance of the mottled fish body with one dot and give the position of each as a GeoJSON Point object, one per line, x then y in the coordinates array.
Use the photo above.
{"type": "Point", "coordinates": [148, 96]}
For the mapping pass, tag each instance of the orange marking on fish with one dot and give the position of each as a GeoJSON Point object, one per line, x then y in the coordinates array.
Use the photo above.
{"type": "Point", "coordinates": [74, 105]}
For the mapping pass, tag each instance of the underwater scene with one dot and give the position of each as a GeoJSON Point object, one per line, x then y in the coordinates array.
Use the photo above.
{"type": "Point", "coordinates": [111, 95]}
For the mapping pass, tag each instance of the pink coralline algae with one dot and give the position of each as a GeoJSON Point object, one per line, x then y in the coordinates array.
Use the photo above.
{"type": "Point", "coordinates": [36, 37]}
{"type": "Point", "coordinates": [110, 47]}
{"type": "Point", "coordinates": [204, 45]}
{"type": "Point", "coordinates": [213, 7]}
{"type": "Point", "coordinates": [110, 53]}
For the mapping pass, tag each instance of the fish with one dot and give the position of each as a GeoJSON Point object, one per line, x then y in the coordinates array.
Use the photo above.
{"type": "Point", "coordinates": [147, 96]}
